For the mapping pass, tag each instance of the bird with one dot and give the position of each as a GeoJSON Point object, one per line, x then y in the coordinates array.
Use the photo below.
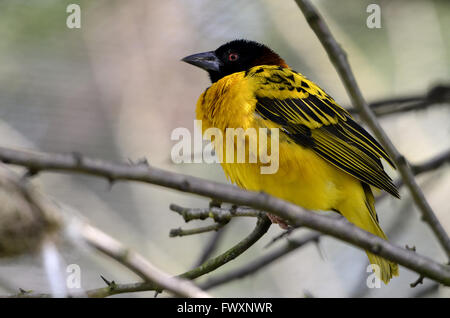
{"type": "Point", "coordinates": [326, 160]}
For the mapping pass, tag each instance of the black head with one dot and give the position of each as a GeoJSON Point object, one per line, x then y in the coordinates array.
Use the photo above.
{"type": "Point", "coordinates": [234, 56]}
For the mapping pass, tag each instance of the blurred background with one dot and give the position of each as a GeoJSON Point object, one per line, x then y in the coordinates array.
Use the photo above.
{"type": "Point", "coordinates": [115, 89]}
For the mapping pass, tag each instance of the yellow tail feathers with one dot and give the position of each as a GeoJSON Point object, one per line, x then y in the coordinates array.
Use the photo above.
{"type": "Point", "coordinates": [383, 268]}
{"type": "Point", "coordinates": [362, 214]}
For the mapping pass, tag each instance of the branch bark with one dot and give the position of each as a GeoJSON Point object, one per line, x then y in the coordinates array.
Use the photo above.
{"type": "Point", "coordinates": [289, 246]}
{"type": "Point", "coordinates": [436, 95]}
{"type": "Point", "coordinates": [294, 214]}
{"type": "Point", "coordinates": [261, 228]}
{"type": "Point", "coordinates": [138, 264]}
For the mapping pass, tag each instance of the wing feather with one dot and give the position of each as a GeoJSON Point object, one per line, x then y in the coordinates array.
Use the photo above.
{"type": "Point", "coordinates": [311, 118]}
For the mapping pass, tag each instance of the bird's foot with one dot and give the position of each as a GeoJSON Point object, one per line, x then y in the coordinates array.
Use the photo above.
{"type": "Point", "coordinates": [277, 220]}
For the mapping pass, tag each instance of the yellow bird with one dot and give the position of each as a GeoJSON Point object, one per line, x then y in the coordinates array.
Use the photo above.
{"type": "Point", "coordinates": [326, 161]}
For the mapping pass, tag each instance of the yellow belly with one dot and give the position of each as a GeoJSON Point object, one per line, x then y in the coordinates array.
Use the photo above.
{"type": "Point", "coordinates": [303, 178]}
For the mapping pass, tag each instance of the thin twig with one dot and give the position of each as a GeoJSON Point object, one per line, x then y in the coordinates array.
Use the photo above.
{"type": "Point", "coordinates": [222, 214]}
{"type": "Point", "coordinates": [432, 163]}
{"type": "Point", "coordinates": [261, 228]}
{"type": "Point", "coordinates": [435, 96]}
{"type": "Point", "coordinates": [213, 243]}
{"type": "Point", "coordinates": [254, 266]}
{"type": "Point", "coordinates": [292, 213]}
{"type": "Point", "coordinates": [429, 165]}
{"type": "Point", "coordinates": [43, 208]}
{"type": "Point", "coordinates": [210, 247]}
{"type": "Point", "coordinates": [204, 229]}
{"type": "Point", "coordinates": [339, 60]}
{"type": "Point", "coordinates": [137, 263]}
{"type": "Point", "coordinates": [426, 291]}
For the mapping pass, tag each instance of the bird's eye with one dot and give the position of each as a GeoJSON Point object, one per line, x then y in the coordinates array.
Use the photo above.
{"type": "Point", "coordinates": [233, 57]}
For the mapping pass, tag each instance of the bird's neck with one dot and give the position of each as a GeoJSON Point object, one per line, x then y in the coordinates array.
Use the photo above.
{"type": "Point", "coordinates": [225, 104]}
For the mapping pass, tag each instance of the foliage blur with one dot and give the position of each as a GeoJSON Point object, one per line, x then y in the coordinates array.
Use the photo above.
{"type": "Point", "coordinates": [115, 89]}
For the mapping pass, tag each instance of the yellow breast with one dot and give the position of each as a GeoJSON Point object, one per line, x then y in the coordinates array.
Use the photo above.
{"type": "Point", "coordinates": [302, 176]}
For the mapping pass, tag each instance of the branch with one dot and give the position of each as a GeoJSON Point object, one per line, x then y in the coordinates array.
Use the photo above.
{"type": "Point", "coordinates": [204, 229]}
{"type": "Point", "coordinates": [339, 60]}
{"type": "Point", "coordinates": [261, 228]}
{"type": "Point", "coordinates": [435, 96]}
{"type": "Point", "coordinates": [218, 214]}
{"type": "Point", "coordinates": [433, 163]}
{"type": "Point", "coordinates": [429, 165]}
{"type": "Point", "coordinates": [48, 222]}
{"type": "Point", "coordinates": [210, 247]}
{"type": "Point", "coordinates": [213, 243]}
{"type": "Point", "coordinates": [292, 213]}
{"type": "Point", "coordinates": [254, 266]}
{"type": "Point", "coordinates": [138, 264]}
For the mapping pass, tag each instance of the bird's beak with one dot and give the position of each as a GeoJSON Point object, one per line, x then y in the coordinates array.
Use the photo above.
{"type": "Point", "coordinates": [207, 61]}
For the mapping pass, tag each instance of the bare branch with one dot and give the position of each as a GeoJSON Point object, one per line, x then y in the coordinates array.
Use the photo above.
{"type": "Point", "coordinates": [210, 247]}
{"type": "Point", "coordinates": [433, 163]}
{"type": "Point", "coordinates": [46, 213]}
{"type": "Point", "coordinates": [292, 213]}
{"type": "Point", "coordinates": [426, 291]}
{"type": "Point", "coordinates": [435, 96]}
{"type": "Point", "coordinates": [134, 261]}
{"type": "Point", "coordinates": [204, 229]}
{"type": "Point", "coordinates": [339, 60]}
{"type": "Point", "coordinates": [254, 266]}
{"type": "Point", "coordinates": [218, 214]}
{"type": "Point", "coordinates": [429, 165]}
{"type": "Point", "coordinates": [261, 228]}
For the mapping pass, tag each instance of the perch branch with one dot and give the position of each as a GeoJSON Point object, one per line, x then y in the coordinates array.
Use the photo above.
{"type": "Point", "coordinates": [292, 213]}
{"type": "Point", "coordinates": [218, 214]}
{"type": "Point", "coordinates": [432, 163]}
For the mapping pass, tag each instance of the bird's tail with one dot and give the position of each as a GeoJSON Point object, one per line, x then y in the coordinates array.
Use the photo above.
{"type": "Point", "coordinates": [365, 217]}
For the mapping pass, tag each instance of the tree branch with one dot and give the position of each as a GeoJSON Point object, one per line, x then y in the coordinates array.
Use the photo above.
{"type": "Point", "coordinates": [292, 213]}
{"type": "Point", "coordinates": [210, 247]}
{"type": "Point", "coordinates": [432, 163]}
{"type": "Point", "coordinates": [261, 228]}
{"type": "Point", "coordinates": [138, 264]}
{"type": "Point", "coordinates": [222, 214]}
{"type": "Point", "coordinates": [339, 60]}
{"type": "Point", "coordinates": [429, 165]}
{"type": "Point", "coordinates": [435, 96]}
{"type": "Point", "coordinates": [204, 229]}
{"type": "Point", "coordinates": [254, 266]}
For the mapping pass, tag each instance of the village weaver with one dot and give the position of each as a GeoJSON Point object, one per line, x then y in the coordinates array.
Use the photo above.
{"type": "Point", "coordinates": [327, 161]}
